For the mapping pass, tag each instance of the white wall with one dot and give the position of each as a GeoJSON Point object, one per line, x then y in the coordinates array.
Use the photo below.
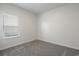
{"type": "Point", "coordinates": [60, 26]}
{"type": "Point", "coordinates": [27, 26]}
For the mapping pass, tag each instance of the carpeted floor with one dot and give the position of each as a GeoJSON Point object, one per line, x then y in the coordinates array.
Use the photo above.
{"type": "Point", "coordinates": [38, 48]}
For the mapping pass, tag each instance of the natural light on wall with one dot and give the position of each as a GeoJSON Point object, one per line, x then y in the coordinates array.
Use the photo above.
{"type": "Point", "coordinates": [10, 25]}
{"type": "Point", "coordinates": [45, 27]}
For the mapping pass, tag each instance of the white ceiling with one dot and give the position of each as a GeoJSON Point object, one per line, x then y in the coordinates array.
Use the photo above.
{"type": "Point", "coordinates": [39, 7]}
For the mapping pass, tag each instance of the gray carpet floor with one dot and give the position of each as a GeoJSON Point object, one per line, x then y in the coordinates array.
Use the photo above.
{"type": "Point", "coordinates": [38, 48]}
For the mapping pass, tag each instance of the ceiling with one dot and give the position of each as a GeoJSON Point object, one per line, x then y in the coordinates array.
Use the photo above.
{"type": "Point", "coordinates": [39, 7]}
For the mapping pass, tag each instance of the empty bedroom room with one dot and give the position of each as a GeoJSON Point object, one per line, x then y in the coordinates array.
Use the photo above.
{"type": "Point", "coordinates": [39, 29]}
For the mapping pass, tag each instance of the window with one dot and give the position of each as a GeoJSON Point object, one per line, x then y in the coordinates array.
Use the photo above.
{"type": "Point", "coordinates": [10, 25]}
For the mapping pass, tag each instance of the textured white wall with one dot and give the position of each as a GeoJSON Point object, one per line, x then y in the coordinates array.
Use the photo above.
{"type": "Point", "coordinates": [60, 26]}
{"type": "Point", "coordinates": [27, 26]}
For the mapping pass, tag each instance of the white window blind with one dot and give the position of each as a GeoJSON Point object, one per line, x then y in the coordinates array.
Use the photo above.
{"type": "Point", "coordinates": [10, 25]}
